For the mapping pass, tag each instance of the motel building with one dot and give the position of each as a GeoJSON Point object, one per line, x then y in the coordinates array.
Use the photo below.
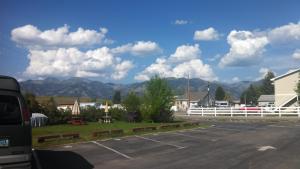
{"type": "Point", "coordinates": [284, 87]}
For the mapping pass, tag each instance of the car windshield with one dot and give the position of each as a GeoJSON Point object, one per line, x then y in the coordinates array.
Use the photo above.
{"type": "Point", "coordinates": [9, 110]}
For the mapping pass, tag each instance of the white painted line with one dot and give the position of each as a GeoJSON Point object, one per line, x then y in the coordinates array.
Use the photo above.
{"type": "Point", "coordinates": [264, 148]}
{"type": "Point", "coordinates": [157, 141]}
{"type": "Point", "coordinates": [185, 135]}
{"type": "Point", "coordinates": [111, 149]}
{"type": "Point", "coordinates": [37, 161]}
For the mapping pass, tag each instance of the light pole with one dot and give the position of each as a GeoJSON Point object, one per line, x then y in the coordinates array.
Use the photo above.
{"type": "Point", "coordinates": [208, 104]}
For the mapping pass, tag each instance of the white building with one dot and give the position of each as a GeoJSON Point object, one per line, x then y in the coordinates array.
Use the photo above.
{"type": "Point", "coordinates": [285, 85]}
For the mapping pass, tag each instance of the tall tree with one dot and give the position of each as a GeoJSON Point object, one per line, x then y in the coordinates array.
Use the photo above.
{"type": "Point", "coordinates": [32, 104]}
{"type": "Point", "coordinates": [132, 105]}
{"type": "Point", "coordinates": [250, 96]}
{"type": "Point", "coordinates": [158, 100]}
{"type": "Point", "coordinates": [267, 86]}
{"type": "Point", "coordinates": [117, 97]}
{"type": "Point", "coordinates": [220, 93]}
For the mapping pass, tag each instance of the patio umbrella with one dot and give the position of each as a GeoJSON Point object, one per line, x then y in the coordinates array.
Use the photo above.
{"type": "Point", "coordinates": [76, 108]}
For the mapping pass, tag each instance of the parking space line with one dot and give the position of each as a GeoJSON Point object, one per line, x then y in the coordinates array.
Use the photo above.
{"type": "Point", "coordinates": [111, 149]}
{"type": "Point", "coordinates": [180, 134]}
{"type": "Point", "coordinates": [157, 141]}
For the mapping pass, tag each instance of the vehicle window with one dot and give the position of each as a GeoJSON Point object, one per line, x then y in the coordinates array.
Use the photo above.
{"type": "Point", "coordinates": [9, 110]}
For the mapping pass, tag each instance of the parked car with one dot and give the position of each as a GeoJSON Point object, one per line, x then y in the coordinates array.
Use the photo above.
{"type": "Point", "coordinates": [15, 128]}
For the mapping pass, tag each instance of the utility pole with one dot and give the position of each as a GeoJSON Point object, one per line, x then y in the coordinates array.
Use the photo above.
{"type": "Point", "coordinates": [208, 104]}
{"type": "Point", "coordinates": [188, 91]}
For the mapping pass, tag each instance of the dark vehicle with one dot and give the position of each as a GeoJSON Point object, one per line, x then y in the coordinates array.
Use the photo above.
{"type": "Point", "coordinates": [15, 129]}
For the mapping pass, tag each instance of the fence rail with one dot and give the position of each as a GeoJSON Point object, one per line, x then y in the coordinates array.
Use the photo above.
{"type": "Point", "coordinates": [246, 111]}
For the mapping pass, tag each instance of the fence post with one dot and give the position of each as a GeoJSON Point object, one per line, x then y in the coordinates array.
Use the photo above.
{"type": "Point", "coordinates": [245, 111]}
{"type": "Point", "coordinates": [202, 111]}
{"type": "Point", "coordinates": [279, 112]}
{"type": "Point", "coordinates": [215, 112]}
{"type": "Point", "coordinates": [231, 112]}
{"type": "Point", "coordinates": [262, 112]}
{"type": "Point", "coordinates": [298, 111]}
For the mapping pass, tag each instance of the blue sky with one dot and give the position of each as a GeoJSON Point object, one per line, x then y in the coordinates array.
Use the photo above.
{"type": "Point", "coordinates": [129, 41]}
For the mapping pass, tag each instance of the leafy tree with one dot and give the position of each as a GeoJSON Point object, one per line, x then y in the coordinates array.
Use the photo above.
{"type": "Point", "coordinates": [220, 93]}
{"type": "Point", "coordinates": [251, 95]}
{"type": "Point", "coordinates": [132, 105]}
{"type": "Point", "coordinates": [267, 86]}
{"type": "Point", "coordinates": [32, 104]}
{"type": "Point", "coordinates": [158, 100]}
{"type": "Point", "coordinates": [117, 97]}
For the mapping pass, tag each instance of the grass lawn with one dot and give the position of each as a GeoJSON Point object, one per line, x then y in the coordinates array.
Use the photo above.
{"type": "Point", "coordinates": [85, 131]}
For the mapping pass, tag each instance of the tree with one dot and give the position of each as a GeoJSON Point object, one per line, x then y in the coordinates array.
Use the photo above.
{"type": "Point", "coordinates": [220, 93]}
{"type": "Point", "coordinates": [298, 90]}
{"type": "Point", "coordinates": [267, 86]}
{"type": "Point", "coordinates": [32, 104]}
{"type": "Point", "coordinates": [132, 105]}
{"type": "Point", "coordinates": [250, 95]}
{"type": "Point", "coordinates": [117, 97]}
{"type": "Point", "coordinates": [158, 100]}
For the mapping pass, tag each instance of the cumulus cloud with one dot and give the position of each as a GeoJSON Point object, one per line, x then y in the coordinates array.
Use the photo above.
{"type": "Point", "coordinates": [285, 33]}
{"type": "Point", "coordinates": [34, 38]}
{"type": "Point", "coordinates": [140, 48]}
{"type": "Point", "coordinates": [206, 34]}
{"type": "Point", "coordinates": [184, 61]}
{"type": "Point", "coordinates": [245, 48]}
{"type": "Point", "coordinates": [181, 22]}
{"type": "Point", "coordinates": [66, 62]}
{"type": "Point", "coordinates": [185, 53]}
{"type": "Point", "coordinates": [296, 54]}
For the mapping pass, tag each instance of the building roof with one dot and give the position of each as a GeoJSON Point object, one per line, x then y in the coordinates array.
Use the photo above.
{"type": "Point", "coordinates": [286, 74]}
{"type": "Point", "coordinates": [266, 98]}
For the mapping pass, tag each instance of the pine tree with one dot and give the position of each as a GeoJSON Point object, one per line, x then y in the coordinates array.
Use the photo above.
{"type": "Point", "coordinates": [220, 93]}
{"type": "Point", "coordinates": [117, 97]}
{"type": "Point", "coordinates": [267, 86]}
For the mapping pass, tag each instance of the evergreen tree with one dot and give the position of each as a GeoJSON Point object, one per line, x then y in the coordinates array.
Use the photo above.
{"type": "Point", "coordinates": [220, 93]}
{"type": "Point", "coordinates": [267, 86]}
{"type": "Point", "coordinates": [117, 97]}
{"type": "Point", "coordinates": [132, 105]}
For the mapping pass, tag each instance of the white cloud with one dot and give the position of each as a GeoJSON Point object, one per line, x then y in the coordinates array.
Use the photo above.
{"type": "Point", "coordinates": [245, 49]}
{"type": "Point", "coordinates": [184, 61]}
{"type": "Point", "coordinates": [140, 48]}
{"type": "Point", "coordinates": [33, 38]}
{"type": "Point", "coordinates": [66, 62]}
{"type": "Point", "coordinates": [285, 33]}
{"type": "Point", "coordinates": [181, 22]}
{"type": "Point", "coordinates": [235, 79]}
{"type": "Point", "coordinates": [185, 53]}
{"type": "Point", "coordinates": [296, 54]}
{"type": "Point", "coordinates": [206, 34]}
{"type": "Point", "coordinates": [121, 70]}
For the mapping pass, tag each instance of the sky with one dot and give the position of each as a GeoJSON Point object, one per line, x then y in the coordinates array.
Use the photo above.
{"type": "Point", "coordinates": [126, 41]}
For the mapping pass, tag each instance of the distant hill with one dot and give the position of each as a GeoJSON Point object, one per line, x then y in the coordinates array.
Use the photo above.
{"type": "Point", "coordinates": [80, 87]}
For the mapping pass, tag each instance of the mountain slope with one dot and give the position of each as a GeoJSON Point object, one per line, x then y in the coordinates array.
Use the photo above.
{"type": "Point", "coordinates": [80, 87]}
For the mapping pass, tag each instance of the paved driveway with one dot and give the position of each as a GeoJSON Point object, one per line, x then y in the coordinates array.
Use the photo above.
{"type": "Point", "coordinates": [221, 146]}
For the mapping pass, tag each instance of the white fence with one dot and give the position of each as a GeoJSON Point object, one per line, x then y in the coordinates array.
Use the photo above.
{"type": "Point", "coordinates": [246, 111]}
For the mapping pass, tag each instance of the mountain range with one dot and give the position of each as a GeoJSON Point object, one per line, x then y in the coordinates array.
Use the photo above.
{"type": "Point", "coordinates": [81, 87]}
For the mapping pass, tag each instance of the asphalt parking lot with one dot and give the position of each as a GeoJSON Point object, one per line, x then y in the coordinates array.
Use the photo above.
{"type": "Point", "coordinates": [221, 146]}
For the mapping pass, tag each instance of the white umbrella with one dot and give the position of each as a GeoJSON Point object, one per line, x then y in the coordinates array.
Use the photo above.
{"type": "Point", "coordinates": [76, 108]}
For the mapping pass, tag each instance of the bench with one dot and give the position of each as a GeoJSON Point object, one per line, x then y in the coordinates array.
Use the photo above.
{"type": "Point", "coordinates": [150, 128]}
{"type": "Point", "coordinates": [116, 132]}
{"type": "Point", "coordinates": [136, 130]}
{"type": "Point", "coordinates": [42, 139]}
{"type": "Point", "coordinates": [101, 133]}
{"type": "Point", "coordinates": [71, 135]}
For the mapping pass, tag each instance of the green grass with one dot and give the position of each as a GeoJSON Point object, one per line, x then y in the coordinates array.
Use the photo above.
{"type": "Point", "coordinates": [87, 130]}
